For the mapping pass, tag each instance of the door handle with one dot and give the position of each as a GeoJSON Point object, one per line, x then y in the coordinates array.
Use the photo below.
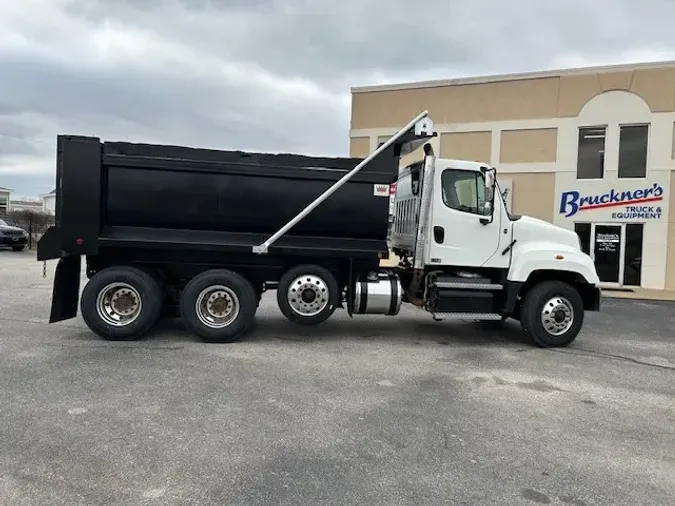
{"type": "Point", "coordinates": [439, 234]}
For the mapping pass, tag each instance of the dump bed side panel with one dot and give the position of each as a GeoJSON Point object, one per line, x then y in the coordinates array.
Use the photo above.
{"type": "Point", "coordinates": [181, 188]}
{"type": "Point", "coordinates": [110, 191]}
{"type": "Point", "coordinates": [238, 203]}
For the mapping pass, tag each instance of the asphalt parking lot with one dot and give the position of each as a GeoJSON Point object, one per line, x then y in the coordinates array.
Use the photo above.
{"type": "Point", "coordinates": [365, 411]}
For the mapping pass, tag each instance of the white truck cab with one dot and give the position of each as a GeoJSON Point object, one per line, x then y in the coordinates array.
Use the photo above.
{"type": "Point", "coordinates": [481, 236]}
{"type": "Point", "coordinates": [479, 261]}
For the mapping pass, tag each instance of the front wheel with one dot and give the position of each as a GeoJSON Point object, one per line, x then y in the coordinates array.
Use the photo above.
{"type": "Point", "coordinates": [18, 248]}
{"type": "Point", "coordinates": [552, 314]}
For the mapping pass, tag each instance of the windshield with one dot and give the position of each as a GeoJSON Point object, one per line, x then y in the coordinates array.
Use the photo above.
{"type": "Point", "coordinates": [3, 222]}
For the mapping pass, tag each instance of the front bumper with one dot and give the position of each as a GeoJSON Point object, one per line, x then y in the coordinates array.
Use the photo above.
{"type": "Point", "coordinates": [10, 240]}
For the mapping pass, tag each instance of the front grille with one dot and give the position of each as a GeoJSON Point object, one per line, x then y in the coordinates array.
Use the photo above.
{"type": "Point", "coordinates": [13, 233]}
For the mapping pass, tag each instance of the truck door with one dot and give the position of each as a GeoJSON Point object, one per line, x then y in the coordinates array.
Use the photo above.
{"type": "Point", "coordinates": [460, 233]}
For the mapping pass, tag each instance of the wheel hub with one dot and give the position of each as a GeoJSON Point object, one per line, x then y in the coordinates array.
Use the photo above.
{"type": "Point", "coordinates": [118, 304]}
{"type": "Point", "coordinates": [308, 295]}
{"type": "Point", "coordinates": [557, 316]}
{"type": "Point", "coordinates": [124, 302]}
{"type": "Point", "coordinates": [217, 306]}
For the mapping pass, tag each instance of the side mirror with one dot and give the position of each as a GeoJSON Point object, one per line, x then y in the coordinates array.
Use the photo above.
{"type": "Point", "coordinates": [490, 180]}
{"type": "Point", "coordinates": [489, 195]}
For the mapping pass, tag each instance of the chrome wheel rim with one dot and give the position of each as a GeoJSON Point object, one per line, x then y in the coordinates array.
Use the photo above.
{"type": "Point", "coordinates": [557, 316]}
{"type": "Point", "coordinates": [308, 295]}
{"type": "Point", "coordinates": [119, 304]}
{"type": "Point", "coordinates": [217, 306]}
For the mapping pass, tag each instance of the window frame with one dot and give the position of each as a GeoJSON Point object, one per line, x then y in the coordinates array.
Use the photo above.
{"type": "Point", "coordinates": [605, 128]}
{"type": "Point", "coordinates": [476, 174]}
{"type": "Point", "coordinates": [646, 164]}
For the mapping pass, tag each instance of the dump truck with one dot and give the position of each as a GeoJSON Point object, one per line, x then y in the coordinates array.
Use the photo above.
{"type": "Point", "coordinates": [201, 234]}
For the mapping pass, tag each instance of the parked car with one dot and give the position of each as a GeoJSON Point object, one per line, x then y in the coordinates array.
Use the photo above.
{"type": "Point", "coordinates": [12, 237]}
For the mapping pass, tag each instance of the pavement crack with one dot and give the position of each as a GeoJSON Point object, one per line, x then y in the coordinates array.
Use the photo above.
{"type": "Point", "coordinates": [590, 353]}
{"type": "Point", "coordinates": [117, 345]}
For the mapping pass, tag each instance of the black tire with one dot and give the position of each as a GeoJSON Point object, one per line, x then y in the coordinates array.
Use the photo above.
{"type": "Point", "coordinates": [161, 284]}
{"type": "Point", "coordinates": [146, 287]}
{"type": "Point", "coordinates": [18, 248]}
{"type": "Point", "coordinates": [533, 306]}
{"type": "Point", "coordinates": [237, 292]}
{"type": "Point", "coordinates": [327, 294]}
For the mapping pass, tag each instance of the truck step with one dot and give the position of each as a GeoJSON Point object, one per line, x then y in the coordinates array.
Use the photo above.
{"type": "Point", "coordinates": [458, 285]}
{"type": "Point", "coordinates": [467, 316]}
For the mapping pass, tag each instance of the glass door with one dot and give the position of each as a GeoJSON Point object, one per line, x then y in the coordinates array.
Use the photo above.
{"type": "Point", "coordinates": [632, 263]}
{"type": "Point", "coordinates": [607, 251]}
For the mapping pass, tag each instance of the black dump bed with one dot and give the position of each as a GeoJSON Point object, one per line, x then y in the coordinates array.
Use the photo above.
{"type": "Point", "coordinates": [116, 194]}
{"type": "Point", "coordinates": [248, 196]}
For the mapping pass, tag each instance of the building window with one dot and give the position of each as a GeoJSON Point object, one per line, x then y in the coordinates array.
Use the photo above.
{"type": "Point", "coordinates": [591, 153]}
{"type": "Point", "coordinates": [463, 190]}
{"type": "Point", "coordinates": [633, 141]}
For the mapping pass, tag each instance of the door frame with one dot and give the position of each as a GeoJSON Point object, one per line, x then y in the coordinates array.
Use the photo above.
{"type": "Point", "coordinates": [622, 251]}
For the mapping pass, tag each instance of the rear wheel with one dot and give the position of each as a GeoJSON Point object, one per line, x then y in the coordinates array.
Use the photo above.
{"type": "Point", "coordinates": [121, 303]}
{"type": "Point", "coordinates": [218, 305]}
{"type": "Point", "coordinates": [308, 294]}
{"type": "Point", "coordinates": [552, 314]}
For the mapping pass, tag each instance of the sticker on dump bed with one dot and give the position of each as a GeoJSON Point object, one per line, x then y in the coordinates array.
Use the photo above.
{"type": "Point", "coordinates": [381, 190]}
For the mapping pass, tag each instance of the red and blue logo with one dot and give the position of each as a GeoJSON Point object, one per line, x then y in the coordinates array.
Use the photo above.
{"type": "Point", "coordinates": [572, 202]}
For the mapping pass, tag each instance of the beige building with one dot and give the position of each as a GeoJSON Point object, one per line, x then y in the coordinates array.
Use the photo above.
{"type": "Point", "coordinates": [590, 149]}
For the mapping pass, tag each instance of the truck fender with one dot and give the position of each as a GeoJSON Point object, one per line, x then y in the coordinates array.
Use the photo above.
{"type": "Point", "coordinates": [551, 258]}
{"type": "Point", "coordinates": [66, 291]}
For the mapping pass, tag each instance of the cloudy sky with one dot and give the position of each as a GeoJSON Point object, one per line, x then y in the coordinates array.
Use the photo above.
{"type": "Point", "coordinates": [271, 75]}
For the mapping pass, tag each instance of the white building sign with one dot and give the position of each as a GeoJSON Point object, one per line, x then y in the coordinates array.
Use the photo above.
{"type": "Point", "coordinates": [641, 202]}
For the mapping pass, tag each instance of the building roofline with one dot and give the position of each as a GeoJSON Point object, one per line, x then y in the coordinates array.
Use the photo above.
{"type": "Point", "coordinates": [496, 78]}
{"type": "Point", "coordinates": [2, 188]}
{"type": "Point", "coordinates": [26, 202]}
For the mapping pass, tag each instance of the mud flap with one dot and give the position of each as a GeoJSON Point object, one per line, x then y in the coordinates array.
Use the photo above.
{"type": "Point", "coordinates": [66, 291]}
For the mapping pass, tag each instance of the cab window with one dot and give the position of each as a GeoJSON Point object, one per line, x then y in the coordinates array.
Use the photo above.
{"type": "Point", "coordinates": [463, 190]}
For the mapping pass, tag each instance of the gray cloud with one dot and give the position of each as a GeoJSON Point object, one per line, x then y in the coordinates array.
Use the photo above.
{"type": "Point", "coordinates": [269, 74]}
